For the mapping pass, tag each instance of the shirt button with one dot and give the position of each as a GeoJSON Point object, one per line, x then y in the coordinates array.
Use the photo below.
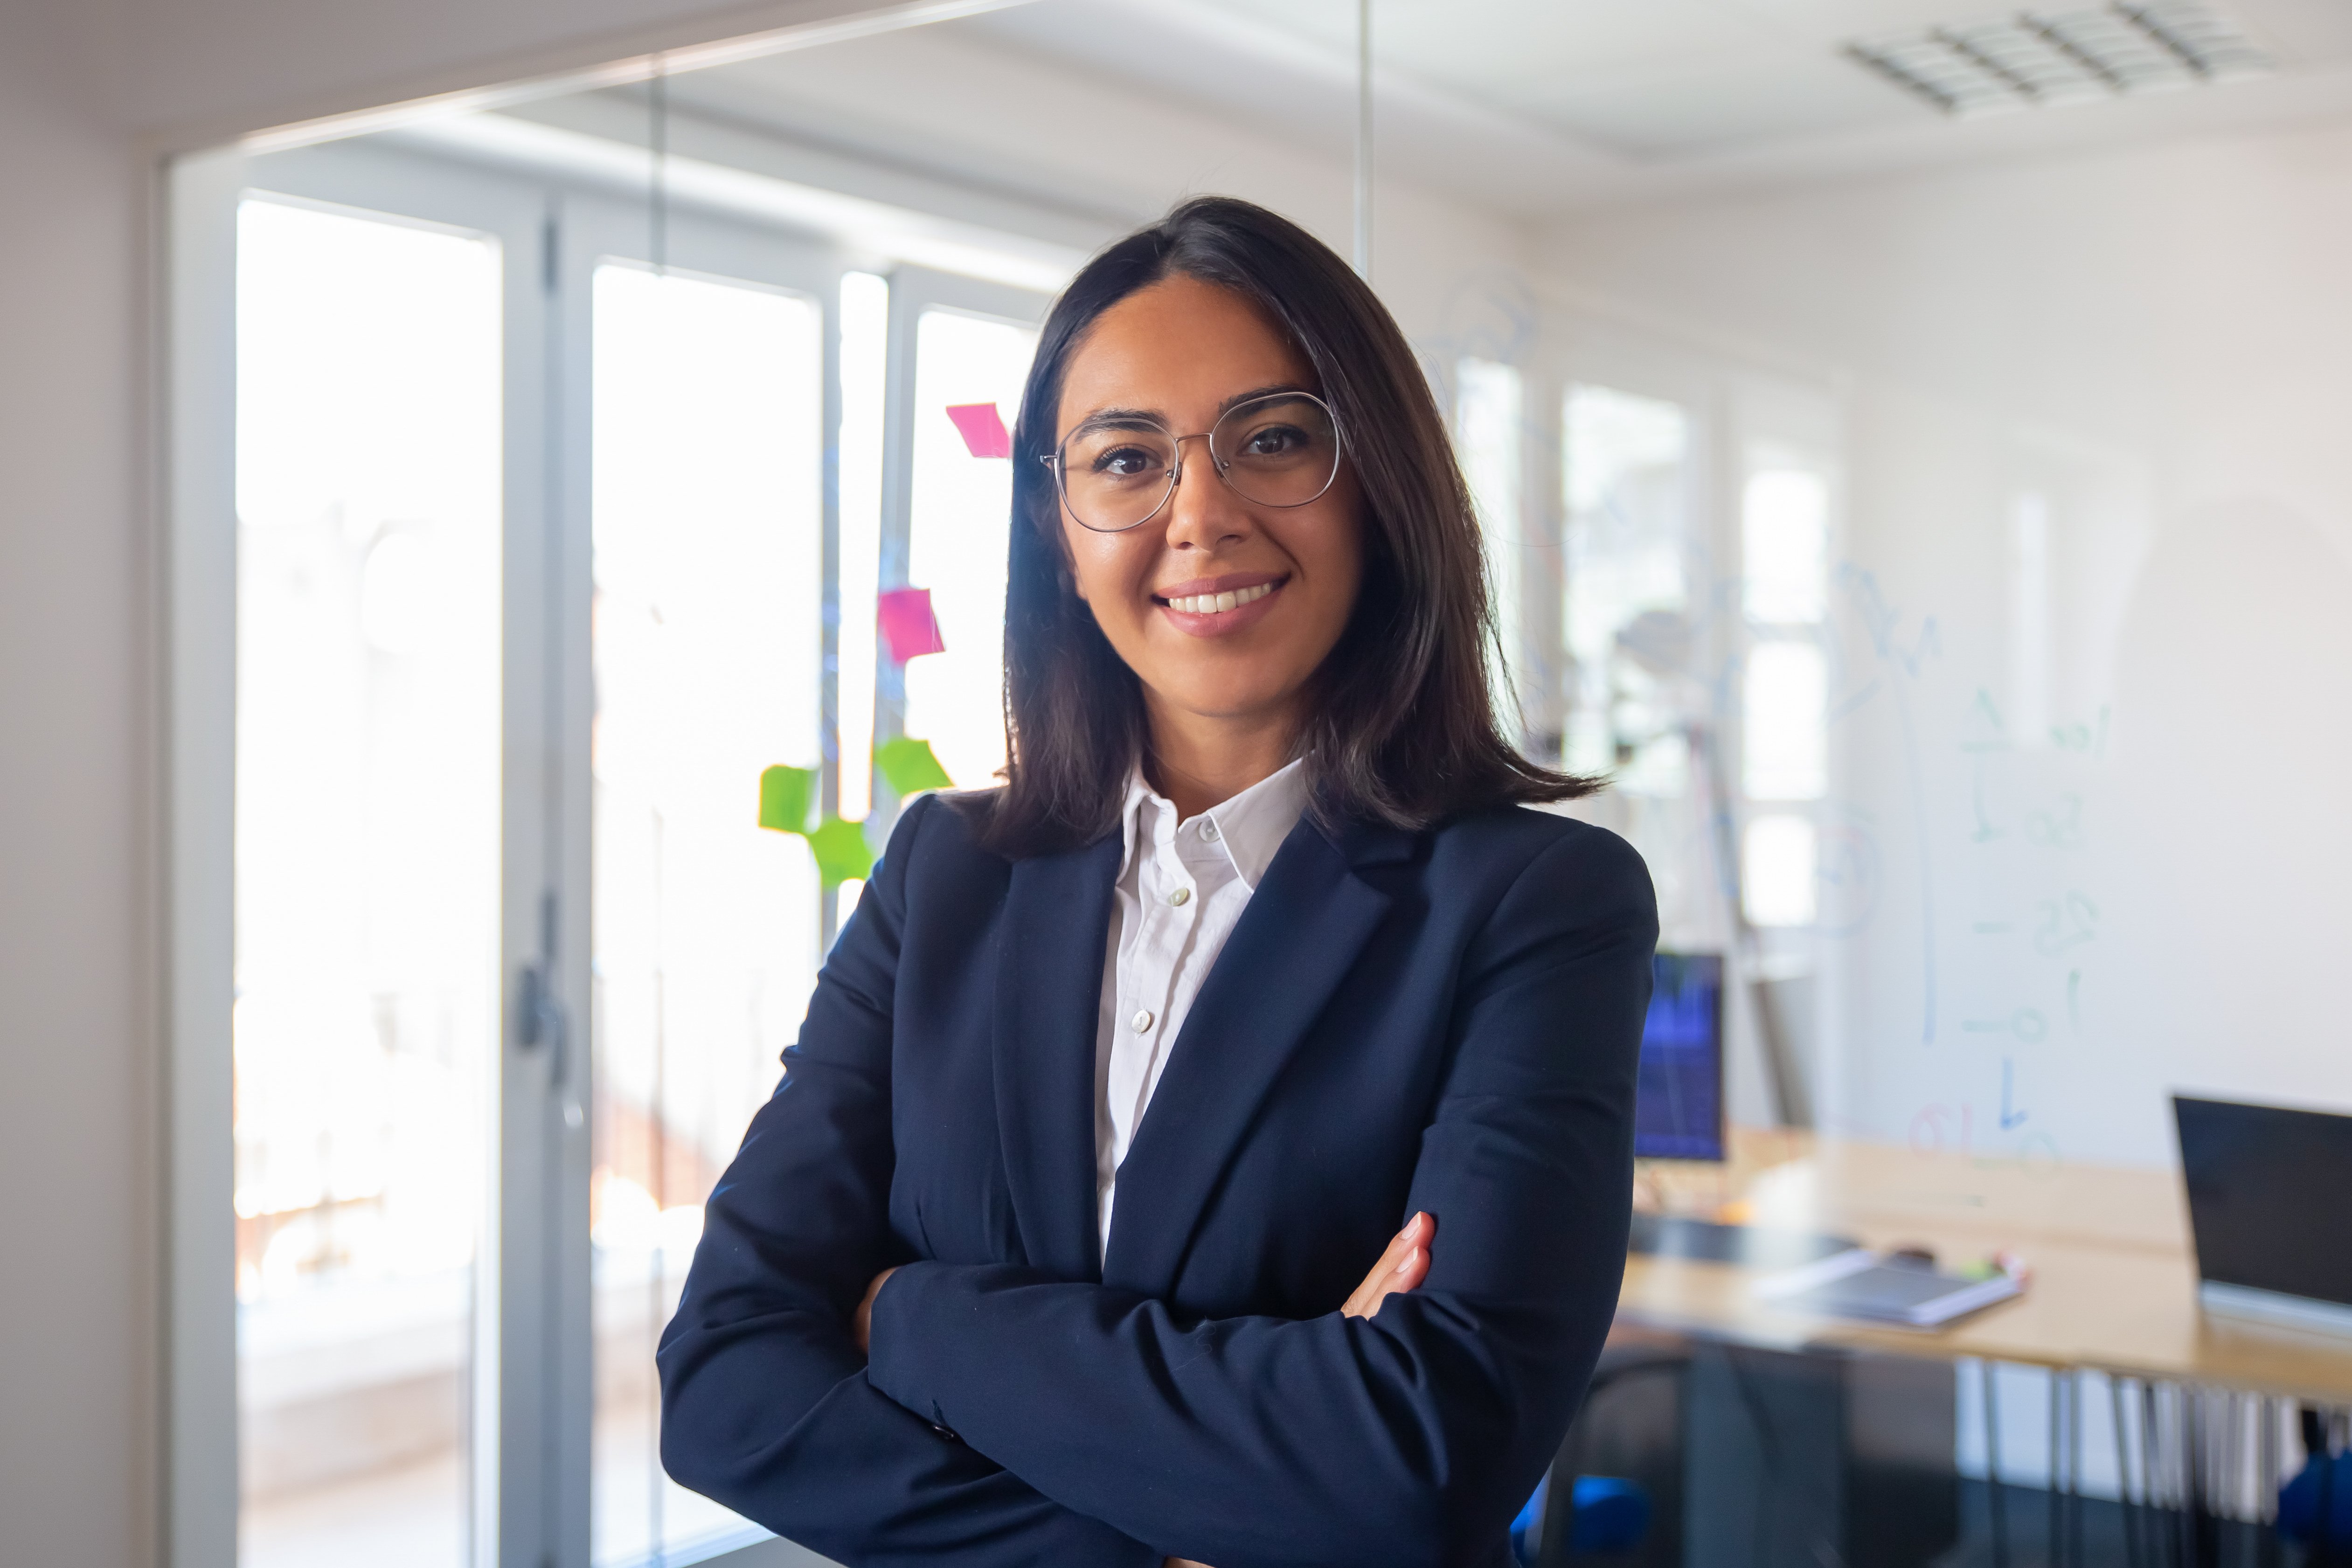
{"type": "Point", "coordinates": [1142, 1020]}
{"type": "Point", "coordinates": [1209, 831]}
{"type": "Point", "coordinates": [1181, 897]}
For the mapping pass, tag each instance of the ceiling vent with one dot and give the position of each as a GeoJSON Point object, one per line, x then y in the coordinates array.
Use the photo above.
{"type": "Point", "coordinates": [2038, 57]}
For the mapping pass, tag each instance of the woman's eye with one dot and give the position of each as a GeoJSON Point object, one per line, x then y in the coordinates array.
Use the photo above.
{"type": "Point", "coordinates": [1124, 462]}
{"type": "Point", "coordinates": [1273, 440]}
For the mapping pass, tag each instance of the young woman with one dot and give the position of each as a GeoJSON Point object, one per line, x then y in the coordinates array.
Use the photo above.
{"type": "Point", "coordinates": [1053, 1246]}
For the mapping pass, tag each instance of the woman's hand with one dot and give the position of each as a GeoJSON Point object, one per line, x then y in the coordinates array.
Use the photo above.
{"type": "Point", "coordinates": [1400, 1269]}
{"type": "Point", "coordinates": [861, 1327]}
{"type": "Point", "coordinates": [1403, 1266]}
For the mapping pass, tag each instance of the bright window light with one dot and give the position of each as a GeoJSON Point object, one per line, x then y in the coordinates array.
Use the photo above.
{"type": "Point", "coordinates": [1784, 529]}
{"type": "Point", "coordinates": [1786, 741]}
{"type": "Point", "coordinates": [962, 513]}
{"type": "Point", "coordinates": [708, 515]}
{"type": "Point", "coordinates": [1625, 474]}
{"type": "Point", "coordinates": [1777, 871]}
{"type": "Point", "coordinates": [367, 900]}
{"type": "Point", "coordinates": [1487, 418]}
{"type": "Point", "coordinates": [865, 364]}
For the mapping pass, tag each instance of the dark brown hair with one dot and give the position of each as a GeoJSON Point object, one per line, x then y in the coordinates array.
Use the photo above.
{"type": "Point", "coordinates": [1401, 727]}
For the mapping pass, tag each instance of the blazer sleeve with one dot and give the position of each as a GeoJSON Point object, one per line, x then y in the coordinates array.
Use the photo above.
{"type": "Point", "coordinates": [1410, 1438]}
{"type": "Point", "coordinates": [765, 1403]}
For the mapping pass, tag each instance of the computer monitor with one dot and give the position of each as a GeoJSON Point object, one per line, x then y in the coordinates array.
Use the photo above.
{"type": "Point", "coordinates": [1678, 1107]}
{"type": "Point", "coordinates": [2266, 1207]}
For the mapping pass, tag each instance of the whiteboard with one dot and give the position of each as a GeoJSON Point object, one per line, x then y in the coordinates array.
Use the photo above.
{"type": "Point", "coordinates": [2091, 840]}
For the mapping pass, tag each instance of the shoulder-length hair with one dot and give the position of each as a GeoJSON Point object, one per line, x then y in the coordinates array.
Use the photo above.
{"type": "Point", "coordinates": [1401, 728]}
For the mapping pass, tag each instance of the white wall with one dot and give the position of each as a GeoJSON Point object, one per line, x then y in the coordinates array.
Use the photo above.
{"type": "Point", "coordinates": [76, 1100]}
{"type": "Point", "coordinates": [2155, 342]}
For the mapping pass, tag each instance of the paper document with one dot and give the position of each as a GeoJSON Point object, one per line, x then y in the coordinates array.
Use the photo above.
{"type": "Point", "coordinates": [1869, 1286]}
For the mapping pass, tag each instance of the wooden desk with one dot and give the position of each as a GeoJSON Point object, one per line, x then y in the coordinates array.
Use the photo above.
{"type": "Point", "coordinates": [2115, 1277]}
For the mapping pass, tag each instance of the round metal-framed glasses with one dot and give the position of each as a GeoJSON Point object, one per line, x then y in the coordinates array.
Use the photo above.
{"type": "Point", "coordinates": [1117, 472]}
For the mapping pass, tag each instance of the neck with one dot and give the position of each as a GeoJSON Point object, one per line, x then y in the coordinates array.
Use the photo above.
{"type": "Point", "coordinates": [1198, 761]}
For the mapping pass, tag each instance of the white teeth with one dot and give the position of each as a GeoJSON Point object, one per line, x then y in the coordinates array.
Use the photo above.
{"type": "Point", "coordinates": [1212, 604]}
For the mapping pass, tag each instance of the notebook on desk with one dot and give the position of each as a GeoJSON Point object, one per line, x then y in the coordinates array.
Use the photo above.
{"type": "Point", "coordinates": [1878, 1287]}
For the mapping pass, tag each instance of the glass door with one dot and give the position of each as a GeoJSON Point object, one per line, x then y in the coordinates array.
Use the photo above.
{"type": "Point", "coordinates": [708, 521]}
{"type": "Point", "coordinates": [367, 943]}
{"type": "Point", "coordinates": [562, 527]}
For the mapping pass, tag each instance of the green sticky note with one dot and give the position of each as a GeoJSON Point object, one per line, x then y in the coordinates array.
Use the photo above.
{"type": "Point", "coordinates": [910, 766]}
{"type": "Point", "coordinates": [785, 796]}
{"type": "Point", "coordinates": [841, 852]}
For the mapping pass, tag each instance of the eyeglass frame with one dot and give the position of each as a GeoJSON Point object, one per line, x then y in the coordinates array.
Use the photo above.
{"type": "Point", "coordinates": [1053, 461]}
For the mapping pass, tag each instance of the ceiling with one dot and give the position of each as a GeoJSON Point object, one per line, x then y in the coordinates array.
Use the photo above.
{"type": "Point", "coordinates": [1526, 110]}
{"type": "Point", "coordinates": [1542, 106]}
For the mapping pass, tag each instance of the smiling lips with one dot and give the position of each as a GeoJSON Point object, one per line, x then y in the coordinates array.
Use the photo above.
{"type": "Point", "coordinates": [1216, 606]}
{"type": "Point", "coordinates": [1210, 603]}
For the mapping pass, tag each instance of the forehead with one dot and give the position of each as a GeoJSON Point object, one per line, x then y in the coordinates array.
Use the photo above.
{"type": "Point", "coordinates": [1178, 349]}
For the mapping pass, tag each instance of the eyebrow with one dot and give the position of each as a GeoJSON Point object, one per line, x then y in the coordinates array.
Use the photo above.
{"type": "Point", "coordinates": [1132, 418]}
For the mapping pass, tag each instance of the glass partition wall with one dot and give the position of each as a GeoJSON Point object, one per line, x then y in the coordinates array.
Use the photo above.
{"type": "Point", "coordinates": [562, 520]}
{"type": "Point", "coordinates": [607, 527]}
{"type": "Point", "coordinates": [618, 495]}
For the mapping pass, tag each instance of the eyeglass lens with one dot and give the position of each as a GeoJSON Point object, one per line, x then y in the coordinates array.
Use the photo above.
{"type": "Point", "coordinates": [1278, 450]}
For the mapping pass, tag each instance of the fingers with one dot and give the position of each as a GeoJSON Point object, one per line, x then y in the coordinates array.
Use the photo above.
{"type": "Point", "coordinates": [1363, 1299]}
{"type": "Point", "coordinates": [861, 1324]}
{"type": "Point", "coordinates": [1359, 1300]}
{"type": "Point", "coordinates": [1402, 1267]}
{"type": "Point", "coordinates": [1410, 1273]}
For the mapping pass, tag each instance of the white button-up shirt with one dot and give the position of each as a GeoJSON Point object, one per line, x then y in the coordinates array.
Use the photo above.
{"type": "Point", "coordinates": [1182, 888]}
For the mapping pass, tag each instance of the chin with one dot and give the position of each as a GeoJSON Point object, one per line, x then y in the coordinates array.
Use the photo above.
{"type": "Point", "coordinates": [1226, 702]}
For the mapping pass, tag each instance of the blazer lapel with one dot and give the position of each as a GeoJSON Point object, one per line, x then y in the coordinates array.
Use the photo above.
{"type": "Point", "coordinates": [1295, 942]}
{"type": "Point", "coordinates": [1048, 998]}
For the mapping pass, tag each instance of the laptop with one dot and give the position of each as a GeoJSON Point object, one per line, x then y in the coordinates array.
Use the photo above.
{"type": "Point", "coordinates": [2270, 1205]}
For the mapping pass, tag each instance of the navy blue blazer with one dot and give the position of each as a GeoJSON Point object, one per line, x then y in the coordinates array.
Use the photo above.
{"type": "Point", "coordinates": [1445, 1021]}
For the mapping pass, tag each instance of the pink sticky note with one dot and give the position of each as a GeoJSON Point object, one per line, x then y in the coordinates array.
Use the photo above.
{"type": "Point", "coordinates": [908, 624]}
{"type": "Point", "coordinates": [983, 429]}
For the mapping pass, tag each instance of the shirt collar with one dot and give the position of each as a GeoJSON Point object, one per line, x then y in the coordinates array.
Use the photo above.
{"type": "Point", "coordinates": [1251, 827]}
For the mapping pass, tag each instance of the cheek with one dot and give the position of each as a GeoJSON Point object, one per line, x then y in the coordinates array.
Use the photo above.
{"type": "Point", "coordinates": [1103, 572]}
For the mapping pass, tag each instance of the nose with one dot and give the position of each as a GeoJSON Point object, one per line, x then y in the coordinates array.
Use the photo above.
{"type": "Point", "coordinates": [1203, 512]}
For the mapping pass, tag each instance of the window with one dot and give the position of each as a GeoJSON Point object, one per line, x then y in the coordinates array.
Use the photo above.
{"type": "Point", "coordinates": [959, 537]}
{"type": "Point", "coordinates": [540, 569]}
{"type": "Point", "coordinates": [1784, 525]}
{"type": "Point", "coordinates": [864, 411]}
{"type": "Point", "coordinates": [1487, 418]}
{"type": "Point", "coordinates": [708, 533]}
{"type": "Point", "coordinates": [367, 889]}
{"type": "Point", "coordinates": [1639, 702]}
{"type": "Point", "coordinates": [1787, 752]}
